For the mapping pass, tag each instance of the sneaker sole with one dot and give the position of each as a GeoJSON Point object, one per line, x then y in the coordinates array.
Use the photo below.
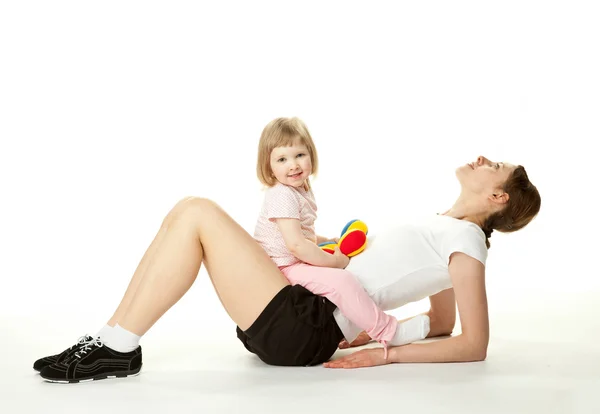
{"type": "Point", "coordinates": [111, 375]}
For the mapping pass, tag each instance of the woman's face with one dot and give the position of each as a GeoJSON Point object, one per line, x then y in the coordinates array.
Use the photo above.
{"type": "Point", "coordinates": [483, 176]}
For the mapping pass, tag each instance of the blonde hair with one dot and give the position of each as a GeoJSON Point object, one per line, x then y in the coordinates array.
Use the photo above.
{"type": "Point", "coordinates": [282, 132]}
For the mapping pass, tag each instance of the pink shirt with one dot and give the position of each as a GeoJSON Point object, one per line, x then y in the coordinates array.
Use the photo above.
{"type": "Point", "coordinates": [282, 201]}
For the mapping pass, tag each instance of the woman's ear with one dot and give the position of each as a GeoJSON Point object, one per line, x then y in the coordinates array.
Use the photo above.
{"type": "Point", "coordinates": [500, 197]}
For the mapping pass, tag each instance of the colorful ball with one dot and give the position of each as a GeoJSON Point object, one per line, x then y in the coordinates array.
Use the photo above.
{"type": "Point", "coordinates": [353, 242]}
{"type": "Point", "coordinates": [355, 224]}
{"type": "Point", "coordinates": [328, 247]}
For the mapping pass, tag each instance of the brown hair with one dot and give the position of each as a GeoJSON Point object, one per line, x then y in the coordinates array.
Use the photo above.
{"type": "Point", "coordinates": [523, 205]}
{"type": "Point", "coordinates": [282, 132]}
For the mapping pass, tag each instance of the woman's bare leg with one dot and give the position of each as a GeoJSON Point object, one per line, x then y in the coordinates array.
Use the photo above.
{"type": "Point", "coordinates": [198, 230]}
{"type": "Point", "coordinates": [143, 265]}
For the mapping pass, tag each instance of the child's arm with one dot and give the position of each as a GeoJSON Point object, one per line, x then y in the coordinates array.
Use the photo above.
{"type": "Point", "coordinates": [306, 250]}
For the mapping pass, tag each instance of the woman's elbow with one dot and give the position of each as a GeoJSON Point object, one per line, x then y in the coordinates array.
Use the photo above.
{"type": "Point", "coordinates": [477, 349]}
{"type": "Point", "coordinates": [479, 354]}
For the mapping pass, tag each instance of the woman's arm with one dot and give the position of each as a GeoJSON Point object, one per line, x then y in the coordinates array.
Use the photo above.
{"type": "Point", "coordinates": [442, 313]}
{"type": "Point", "coordinates": [306, 250]}
{"type": "Point", "coordinates": [468, 279]}
{"type": "Point", "coordinates": [442, 318]}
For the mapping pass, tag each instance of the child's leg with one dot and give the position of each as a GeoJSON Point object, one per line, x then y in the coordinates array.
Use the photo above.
{"type": "Point", "coordinates": [342, 289]}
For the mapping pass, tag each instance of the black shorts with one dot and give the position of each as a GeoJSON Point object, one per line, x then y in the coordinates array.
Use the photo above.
{"type": "Point", "coordinates": [296, 328]}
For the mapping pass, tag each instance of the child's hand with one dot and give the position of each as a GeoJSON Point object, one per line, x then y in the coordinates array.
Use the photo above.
{"type": "Point", "coordinates": [341, 259]}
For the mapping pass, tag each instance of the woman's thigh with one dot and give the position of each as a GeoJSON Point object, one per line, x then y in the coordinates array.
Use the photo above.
{"type": "Point", "coordinates": [244, 276]}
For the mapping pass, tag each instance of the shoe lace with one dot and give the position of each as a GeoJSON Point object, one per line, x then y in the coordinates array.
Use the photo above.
{"type": "Point", "coordinates": [85, 347]}
{"type": "Point", "coordinates": [85, 339]}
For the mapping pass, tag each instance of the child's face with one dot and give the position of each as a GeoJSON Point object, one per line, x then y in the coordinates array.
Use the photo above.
{"type": "Point", "coordinates": [291, 165]}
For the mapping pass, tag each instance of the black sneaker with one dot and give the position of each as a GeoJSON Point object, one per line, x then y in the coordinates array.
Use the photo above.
{"type": "Point", "coordinates": [94, 361]}
{"type": "Point", "coordinates": [49, 360]}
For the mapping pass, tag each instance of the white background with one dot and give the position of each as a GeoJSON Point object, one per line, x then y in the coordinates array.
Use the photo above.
{"type": "Point", "coordinates": [110, 112]}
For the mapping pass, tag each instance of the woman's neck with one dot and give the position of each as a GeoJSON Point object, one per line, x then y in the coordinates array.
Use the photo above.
{"type": "Point", "coordinates": [467, 208]}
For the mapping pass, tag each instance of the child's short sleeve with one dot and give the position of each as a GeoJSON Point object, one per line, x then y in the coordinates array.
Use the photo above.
{"type": "Point", "coordinates": [281, 202]}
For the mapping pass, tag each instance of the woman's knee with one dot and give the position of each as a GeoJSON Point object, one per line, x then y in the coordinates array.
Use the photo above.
{"type": "Point", "coordinates": [190, 207]}
{"type": "Point", "coordinates": [200, 204]}
{"type": "Point", "coordinates": [183, 202]}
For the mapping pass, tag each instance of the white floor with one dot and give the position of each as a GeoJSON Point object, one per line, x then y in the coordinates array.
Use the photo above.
{"type": "Point", "coordinates": [542, 359]}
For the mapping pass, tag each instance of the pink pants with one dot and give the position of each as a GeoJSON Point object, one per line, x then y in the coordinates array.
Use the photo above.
{"type": "Point", "coordinates": [344, 291]}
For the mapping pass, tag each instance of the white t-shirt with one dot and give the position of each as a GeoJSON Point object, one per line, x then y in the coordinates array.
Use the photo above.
{"type": "Point", "coordinates": [409, 262]}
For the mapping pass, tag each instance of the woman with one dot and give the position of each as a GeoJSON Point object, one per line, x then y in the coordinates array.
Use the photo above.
{"type": "Point", "coordinates": [287, 325]}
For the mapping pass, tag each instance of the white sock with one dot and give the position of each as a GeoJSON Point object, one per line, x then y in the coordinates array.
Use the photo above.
{"type": "Point", "coordinates": [120, 339]}
{"type": "Point", "coordinates": [410, 331]}
{"type": "Point", "coordinates": [104, 331]}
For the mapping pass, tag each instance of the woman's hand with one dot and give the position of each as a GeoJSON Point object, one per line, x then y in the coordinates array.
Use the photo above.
{"type": "Point", "coordinates": [364, 358]}
{"type": "Point", "coordinates": [362, 339]}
